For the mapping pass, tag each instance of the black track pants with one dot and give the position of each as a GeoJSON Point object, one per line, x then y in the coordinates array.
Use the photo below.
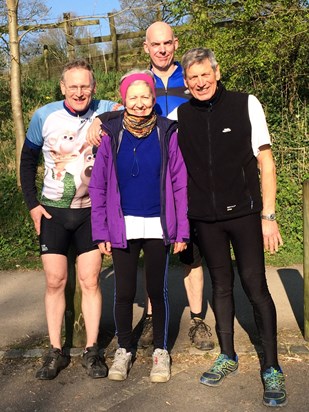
{"type": "Point", "coordinates": [245, 235]}
{"type": "Point", "coordinates": [125, 265]}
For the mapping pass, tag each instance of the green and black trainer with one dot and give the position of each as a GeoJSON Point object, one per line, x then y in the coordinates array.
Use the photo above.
{"type": "Point", "coordinates": [222, 367]}
{"type": "Point", "coordinates": [274, 387]}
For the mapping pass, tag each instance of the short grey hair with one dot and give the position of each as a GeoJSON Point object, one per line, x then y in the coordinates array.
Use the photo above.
{"type": "Point", "coordinates": [78, 64]}
{"type": "Point", "coordinates": [198, 55]}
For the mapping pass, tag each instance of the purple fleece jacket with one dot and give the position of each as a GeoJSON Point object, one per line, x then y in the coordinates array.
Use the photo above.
{"type": "Point", "coordinates": [107, 217]}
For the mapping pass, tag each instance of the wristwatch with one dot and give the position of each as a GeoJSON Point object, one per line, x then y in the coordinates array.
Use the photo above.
{"type": "Point", "coordinates": [271, 216]}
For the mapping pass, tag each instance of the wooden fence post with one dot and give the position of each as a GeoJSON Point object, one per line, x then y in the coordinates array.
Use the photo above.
{"type": "Point", "coordinates": [306, 257]}
{"type": "Point", "coordinates": [75, 331]}
{"type": "Point", "coordinates": [69, 315]}
{"type": "Point", "coordinates": [46, 62]}
{"type": "Point", "coordinates": [68, 30]}
{"type": "Point", "coordinates": [112, 28]}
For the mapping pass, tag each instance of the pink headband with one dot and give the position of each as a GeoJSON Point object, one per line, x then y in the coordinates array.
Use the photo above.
{"type": "Point", "coordinates": [127, 81]}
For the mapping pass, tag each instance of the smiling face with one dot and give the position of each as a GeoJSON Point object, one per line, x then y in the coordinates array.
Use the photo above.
{"type": "Point", "coordinates": [201, 80]}
{"type": "Point", "coordinates": [78, 88]}
{"type": "Point", "coordinates": [139, 99]}
{"type": "Point", "coordinates": [161, 45]}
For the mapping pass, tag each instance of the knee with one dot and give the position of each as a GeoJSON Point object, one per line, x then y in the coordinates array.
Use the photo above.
{"type": "Point", "coordinates": [222, 291]}
{"type": "Point", "coordinates": [257, 290]}
{"type": "Point", "coordinates": [89, 282]}
{"type": "Point", "coordinates": [55, 282]}
{"type": "Point", "coordinates": [263, 299]}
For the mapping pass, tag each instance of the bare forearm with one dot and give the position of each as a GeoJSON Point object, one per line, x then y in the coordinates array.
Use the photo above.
{"type": "Point", "coordinates": [269, 189]}
{"type": "Point", "coordinates": [271, 235]}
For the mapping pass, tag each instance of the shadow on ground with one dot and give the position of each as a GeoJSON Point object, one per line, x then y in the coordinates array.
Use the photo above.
{"type": "Point", "coordinates": [291, 280]}
{"type": "Point", "coordinates": [293, 283]}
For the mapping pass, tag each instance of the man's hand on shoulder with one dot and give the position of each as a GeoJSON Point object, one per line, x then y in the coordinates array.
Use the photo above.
{"type": "Point", "coordinates": [93, 137]}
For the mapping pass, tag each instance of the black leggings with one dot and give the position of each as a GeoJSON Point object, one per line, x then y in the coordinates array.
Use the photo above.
{"type": "Point", "coordinates": [125, 266]}
{"type": "Point", "coordinates": [245, 235]}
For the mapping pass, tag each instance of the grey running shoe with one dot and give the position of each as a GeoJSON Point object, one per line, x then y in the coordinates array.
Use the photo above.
{"type": "Point", "coordinates": [274, 388]}
{"type": "Point", "coordinates": [200, 334]}
{"type": "Point", "coordinates": [161, 366]}
{"type": "Point", "coordinates": [121, 365]}
{"type": "Point", "coordinates": [146, 338]}
{"type": "Point", "coordinates": [93, 363]}
{"type": "Point", "coordinates": [54, 361]}
{"type": "Point", "coordinates": [222, 367]}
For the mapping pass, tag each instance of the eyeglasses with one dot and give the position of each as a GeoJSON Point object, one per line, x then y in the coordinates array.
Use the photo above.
{"type": "Point", "coordinates": [79, 89]}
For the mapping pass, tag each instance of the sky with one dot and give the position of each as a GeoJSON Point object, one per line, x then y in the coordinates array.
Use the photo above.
{"type": "Point", "coordinates": [83, 8]}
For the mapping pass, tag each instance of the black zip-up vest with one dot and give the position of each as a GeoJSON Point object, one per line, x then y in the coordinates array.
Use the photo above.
{"type": "Point", "coordinates": [215, 139]}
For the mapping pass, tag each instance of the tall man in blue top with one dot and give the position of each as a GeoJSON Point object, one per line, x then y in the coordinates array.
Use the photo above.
{"type": "Point", "coordinates": [161, 45]}
{"type": "Point", "coordinates": [62, 214]}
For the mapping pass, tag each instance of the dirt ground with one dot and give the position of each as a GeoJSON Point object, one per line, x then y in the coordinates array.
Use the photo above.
{"type": "Point", "coordinates": [73, 390]}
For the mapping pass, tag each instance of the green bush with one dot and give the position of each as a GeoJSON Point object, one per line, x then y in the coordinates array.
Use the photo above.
{"type": "Point", "coordinates": [18, 241]}
{"type": "Point", "coordinates": [108, 85]}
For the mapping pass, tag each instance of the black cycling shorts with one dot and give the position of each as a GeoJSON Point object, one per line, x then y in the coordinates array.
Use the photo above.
{"type": "Point", "coordinates": [65, 227]}
{"type": "Point", "coordinates": [192, 256]}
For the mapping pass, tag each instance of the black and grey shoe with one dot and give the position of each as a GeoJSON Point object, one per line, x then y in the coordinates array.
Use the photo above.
{"type": "Point", "coordinates": [54, 361]}
{"type": "Point", "coordinates": [94, 363]}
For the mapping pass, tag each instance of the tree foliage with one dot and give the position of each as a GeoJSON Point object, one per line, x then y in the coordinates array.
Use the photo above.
{"type": "Point", "coordinates": [261, 45]}
{"type": "Point", "coordinates": [30, 12]}
{"type": "Point", "coordinates": [137, 15]}
{"type": "Point", "coordinates": [263, 49]}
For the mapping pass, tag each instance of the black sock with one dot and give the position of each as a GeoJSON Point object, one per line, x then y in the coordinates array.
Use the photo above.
{"type": "Point", "coordinates": [196, 315]}
{"type": "Point", "coordinates": [230, 355]}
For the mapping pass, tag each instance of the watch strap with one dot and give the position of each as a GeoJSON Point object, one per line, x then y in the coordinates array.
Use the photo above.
{"type": "Point", "coordinates": [271, 217]}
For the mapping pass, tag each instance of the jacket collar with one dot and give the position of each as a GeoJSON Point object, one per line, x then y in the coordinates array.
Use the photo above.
{"type": "Point", "coordinates": [208, 104]}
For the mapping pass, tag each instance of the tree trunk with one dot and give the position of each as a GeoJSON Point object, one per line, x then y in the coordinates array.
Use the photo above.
{"type": "Point", "coordinates": [75, 331]}
{"type": "Point", "coordinates": [19, 127]}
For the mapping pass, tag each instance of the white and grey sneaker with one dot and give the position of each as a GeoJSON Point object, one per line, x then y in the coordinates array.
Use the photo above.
{"type": "Point", "coordinates": [121, 365]}
{"type": "Point", "coordinates": [161, 366]}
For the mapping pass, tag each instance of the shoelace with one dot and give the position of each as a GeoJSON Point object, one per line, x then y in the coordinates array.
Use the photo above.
{"type": "Point", "coordinates": [94, 360]}
{"type": "Point", "coordinates": [274, 380]}
{"type": "Point", "coordinates": [218, 364]}
{"type": "Point", "coordinates": [222, 363]}
{"type": "Point", "coordinates": [120, 358]}
{"type": "Point", "coordinates": [204, 329]}
{"type": "Point", "coordinates": [50, 359]}
{"type": "Point", "coordinates": [160, 359]}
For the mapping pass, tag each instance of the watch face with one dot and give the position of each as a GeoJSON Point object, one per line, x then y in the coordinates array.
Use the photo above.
{"type": "Point", "coordinates": [271, 216]}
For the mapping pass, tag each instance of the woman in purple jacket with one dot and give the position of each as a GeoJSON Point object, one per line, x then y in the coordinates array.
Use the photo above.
{"type": "Point", "coordinates": [138, 191]}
